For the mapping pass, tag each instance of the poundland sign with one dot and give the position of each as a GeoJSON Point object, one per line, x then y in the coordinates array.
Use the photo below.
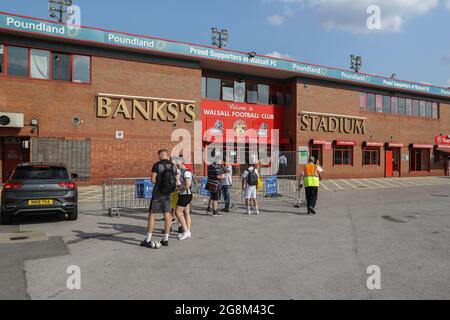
{"type": "Point", "coordinates": [48, 28]}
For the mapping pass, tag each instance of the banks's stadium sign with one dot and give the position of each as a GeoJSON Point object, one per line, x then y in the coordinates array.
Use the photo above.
{"type": "Point", "coordinates": [332, 123]}
{"type": "Point", "coordinates": [147, 108]}
{"type": "Point", "coordinates": [155, 45]}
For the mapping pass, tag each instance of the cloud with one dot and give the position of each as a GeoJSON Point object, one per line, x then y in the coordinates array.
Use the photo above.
{"type": "Point", "coordinates": [352, 16]}
{"type": "Point", "coordinates": [276, 20]}
{"type": "Point", "coordinates": [447, 4]}
{"type": "Point", "coordinates": [278, 55]}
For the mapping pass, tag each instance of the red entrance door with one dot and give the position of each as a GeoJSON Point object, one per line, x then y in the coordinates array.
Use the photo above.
{"type": "Point", "coordinates": [12, 156]}
{"type": "Point", "coordinates": [389, 164]}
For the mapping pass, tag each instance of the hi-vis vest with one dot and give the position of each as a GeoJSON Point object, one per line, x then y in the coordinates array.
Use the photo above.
{"type": "Point", "coordinates": [311, 177]}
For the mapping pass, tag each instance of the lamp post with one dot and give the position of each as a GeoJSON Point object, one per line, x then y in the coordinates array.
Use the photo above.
{"type": "Point", "coordinates": [356, 63]}
{"type": "Point", "coordinates": [219, 38]}
{"type": "Point", "coordinates": [58, 9]}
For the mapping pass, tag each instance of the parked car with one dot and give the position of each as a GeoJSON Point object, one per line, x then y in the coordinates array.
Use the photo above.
{"type": "Point", "coordinates": [35, 189]}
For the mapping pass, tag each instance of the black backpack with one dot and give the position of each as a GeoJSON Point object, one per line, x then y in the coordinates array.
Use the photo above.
{"type": "Point", "coordinates": [167, 183]}
{"type": "Point", "coordinates": [252, 178]}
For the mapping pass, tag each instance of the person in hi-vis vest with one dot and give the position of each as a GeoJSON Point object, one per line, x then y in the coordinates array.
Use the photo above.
{"type": "Point", "coordinates": [311, 176]}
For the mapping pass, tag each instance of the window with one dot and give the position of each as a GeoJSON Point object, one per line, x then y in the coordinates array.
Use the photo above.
{"type": "Point", "coordinates": [203, 87]}
{"type": "Point", "coordinates": [416, 108]}
{"type": "Point", "coordinates": [387, 104]}
{"type": "Point", "coordinates": [394, 105]}
{"type": "Point", "coordinates": [213, 88]}
{"type": "Point", "coordinates": [81, 69]}
{"type": "Point", "coordinates": [435, 111]}
{"type": "Point", "coordinates": [379, 102]}
{"type": "Point", "coordinates": [263, 94]}
{"type": "Point", "coordinates": [420, 160]}
{"type": "Point", "coordinates": [276, 95]}
{"type": "Point", "coordinates": [401, 106]}
{"type": "Point", "coordinates": [288, 96]}
{"type": "Point", "coordinates": [2, 57]}
{"type": "Point", "coordinates": [228, 90]}
{"type": "Point", "coordinates": [343, 155]}
{"type": "Point", "coordinates": [239, 91]}
{"type": "Point", "coordinates": [422, 108]}
{"type": "Point", "coordinates": [17, 61]}
{"type": "Point", "coordinates": [371, 156]}
{"type": "Point", "coordinates": [39, 64]}
{"type": "Point", "coordinates": [428, 110]}
{"type": "Point", "coordinates": [252, 93]}
{"type": "Point", "coordinates": [371, 102]}
{"type": "Point", "coordinates": [408, 107]}
{"type": "Point", "coordinates": [362, 102]}
{"type": "Point", "coordinates": [61, 69]}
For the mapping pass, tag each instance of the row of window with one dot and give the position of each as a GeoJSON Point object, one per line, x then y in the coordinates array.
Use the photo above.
{"type": "Point", "coordinates": [343, 155]}
{"type": "Point", "coordinates": [402, 106]}
{"type": "Point", "coordinates": [241, 92]}
{"type": "Point", "coordinates": [44, 64]}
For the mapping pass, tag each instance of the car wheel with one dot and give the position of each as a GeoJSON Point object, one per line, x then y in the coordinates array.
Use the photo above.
{"type": "Point", "coordinates": [73, 215]}
{"type": "Point", "coordinates": [5, 218]}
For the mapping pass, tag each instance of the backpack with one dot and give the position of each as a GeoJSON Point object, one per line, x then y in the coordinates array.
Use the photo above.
{"type": "Point", "coordinates": [167, 183]}
{"type": "Point", "coordinates": [252, 178]}
{"type": "Point", "coordinates": [194, 184]}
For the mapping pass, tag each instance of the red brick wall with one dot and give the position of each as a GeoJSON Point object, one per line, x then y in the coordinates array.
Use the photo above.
{"type": "Point", "coordinates": [55, 103]}
{"type": "Point", "coordinates": [404, 129]}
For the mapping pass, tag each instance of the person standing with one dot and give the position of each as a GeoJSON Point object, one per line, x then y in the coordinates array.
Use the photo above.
{"type": "Point", "coordinates": [250, 180]}
{"type": "Point", "coordinates": [164, 177]}
{"type": "Point", "coordinates": [311, 175]}
{"type": "Point", "coordinates": [227, 185]}
{"type": "Point", "coordinates": [283, 162]}
{"type": "Point", "coordinates": [184, 200]}
{"type": "Point", "coordinates": [215, 177]}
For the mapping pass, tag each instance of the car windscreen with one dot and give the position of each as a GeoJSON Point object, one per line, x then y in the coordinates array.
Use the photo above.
{"type": "Point", "coordinates": [40, 173]}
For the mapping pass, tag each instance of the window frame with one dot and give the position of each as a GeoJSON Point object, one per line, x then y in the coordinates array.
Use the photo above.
{"type": "Point", "coordinates": [413, 159]}
{"type": "Point", "coordinates": [51, 52]}
{"type": "Point", "coordinates": [371, 150]}
{"type": "Point", "coordinates": [49, 64]}
{"type": "Point", "coordinates": [3, 60]}
{"type": "Point", "coordinates": [342, 150]}
{"type": "Point", "coordinates": [319, 148]}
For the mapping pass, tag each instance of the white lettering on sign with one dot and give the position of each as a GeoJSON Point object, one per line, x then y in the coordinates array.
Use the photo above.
{"type": "Point", "coordinates": [134, 41]}
{"type": "Point", "coordinates": [35, 26]}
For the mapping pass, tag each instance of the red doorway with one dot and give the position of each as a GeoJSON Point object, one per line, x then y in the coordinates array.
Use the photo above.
{"type": "Point", "coordinates": [393, 162]}
{"type": "Point", "coordinates": [389, 164]}
{"type": "Point", "coordinates": [13, 153]}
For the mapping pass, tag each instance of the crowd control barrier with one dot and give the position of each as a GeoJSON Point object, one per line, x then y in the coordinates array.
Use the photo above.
{"type": "Point", "coordinates": [136, 193]}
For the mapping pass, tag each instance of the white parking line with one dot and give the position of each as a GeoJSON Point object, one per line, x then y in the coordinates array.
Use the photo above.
{"type": "Point", "coordinates": [336, 185]}
{"type": "Point", "coordinates": [351, 185]}
{"type": "Point", "coordinates": [375, 183]}
{"type": "Point", "coordinates": [359, 181]}
{"type": "Point", "coordinates": [324, 186]}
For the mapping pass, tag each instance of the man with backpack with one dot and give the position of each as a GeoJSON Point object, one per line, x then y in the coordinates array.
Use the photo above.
{"type": "Point", "coordinates": [250, 180]}
{"type": "Point", "coordinates": [164, 177]}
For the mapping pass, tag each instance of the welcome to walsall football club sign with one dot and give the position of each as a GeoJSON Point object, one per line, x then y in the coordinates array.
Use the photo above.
{"type": "Point", "coordinates": [85, 34]}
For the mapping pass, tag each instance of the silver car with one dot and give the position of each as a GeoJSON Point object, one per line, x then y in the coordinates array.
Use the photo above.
{"type": "Point", "coordinates": [35, 189]}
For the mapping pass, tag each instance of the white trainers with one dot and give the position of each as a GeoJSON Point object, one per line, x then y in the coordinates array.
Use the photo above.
{"type": "Point", "coordinates": [185, 236]}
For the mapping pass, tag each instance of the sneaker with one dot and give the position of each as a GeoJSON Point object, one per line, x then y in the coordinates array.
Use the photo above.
{"type": "Point", "coordinates": [209, 210]}
{"type": "Point", "coordinates": [165, 243]}
{"type": "Point", "coordinates": [180, 229]}
{"type": "Point", "coordinates": [185, 236]}
{"type": "Point", "coordinates": [257, 213]}
{"type": "Point", "coordinates": [146, 244]}
{"type": "Point", "coordinates": [226, 210]}
{"type": "Point", "coordinates": [249, 212]}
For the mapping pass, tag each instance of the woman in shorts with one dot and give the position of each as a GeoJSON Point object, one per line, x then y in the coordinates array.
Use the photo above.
{"type": "Point", "coordinates": [184, 200]}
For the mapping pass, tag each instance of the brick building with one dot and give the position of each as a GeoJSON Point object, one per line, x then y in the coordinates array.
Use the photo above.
{"type": "Point", "coordinates": [104, 102]}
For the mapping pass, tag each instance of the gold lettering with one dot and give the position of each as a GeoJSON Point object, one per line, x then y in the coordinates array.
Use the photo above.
{"type": "Point", "coordinates": [190, 113]}
{"type": "Point", "coordinates": [323, 125]}
{"type": "Point", "coordinates": [122, 109]}
{"type": "Point", "coordinates": [348, 129]}
{"type": "Point", "coordinates": [333, 124]}
{"type": "Point", "coordinates": [173, 112]}
{"type": "Point", "coordinates": [314, 122]}
{"type": "Point", "coordinates": [157, 111]}
{"type": "Point", "coordinates": [304, 125]}
{"type": "Point", "coordinates": [104, 107]}
{"type": "Point", "coordinates": [360, 127]}
{"type": "Point", "coordinates": [138, 108]}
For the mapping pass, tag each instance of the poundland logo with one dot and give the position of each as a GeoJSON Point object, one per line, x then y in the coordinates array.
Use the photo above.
{"type": "Point", "coordinates": [130, 41]}
{"type": "Point", "coordinates": [35, 26]}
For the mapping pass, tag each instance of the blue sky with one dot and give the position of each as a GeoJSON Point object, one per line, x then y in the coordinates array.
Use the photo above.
{"type": "Point", "coordinates": [413, 42]}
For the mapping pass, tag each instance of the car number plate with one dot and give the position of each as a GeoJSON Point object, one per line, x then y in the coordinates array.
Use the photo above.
{"type": "Point", "coordinates": [40, 202]}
